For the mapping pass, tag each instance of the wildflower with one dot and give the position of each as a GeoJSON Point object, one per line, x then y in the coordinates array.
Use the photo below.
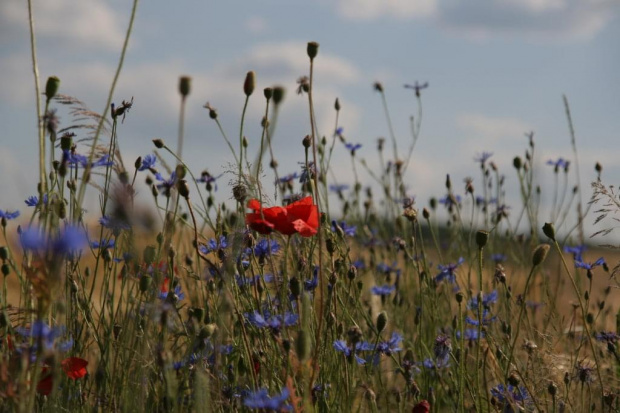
{"type": "Point", "coordinates": [431, 364]}
{"type": "Point", "coordinates": [275, 322]}
{"type": "Point", "coordinates": [442, 347]}
{"type": "Point", "coordinates": [338, 188]}
{"type": "Point", "coordinates": [104, 245]}
{"type": "Point", "coordinates": [353, 147]}
{"type": "Point", "coordinates": [214, 245]}
{"type": "Point", "coordinates": [450, 201]}
{"type": "Point", "coordinates": [178, 293]}
{"type": "Point", "coordinates": [69, 240]}
{"type": "Point", "coordinates": [310, 285]}
{"type": "Point", "coordinates": [422, 407]}
{"type": "Point", "coordinates": [114, 224]}
{"type": "Point", "coordinates": [486, 319]}
{"type": "Point", "coordinates": [390, 346]}
{"type": "Point", "coordinates": [260, 400]}
{"type": "Point", "coordinates": [577, 251]}
{"type": "Point", "coordinates": [583, 372]}
{"type": "Point", "coordinates": [589, 266]}
{"type": "Point", "coordinates": [8, 215]}
{"type": "Point", "coordinates": [264, 248]}
{"type": "Point", "coordinates": [386, 269]}
{"type": "Point", "coordinates": [74, 368]}
{"type": "Point", "coordinates": [510, 398]}
{"type": "Point", "coordinates": [498, 258]}
{"type": "Point", "coordinates": [301, 217]}
{"type": "Point", "coordinates": [447, 272]}
{"type": "Point", "coordinates": [483, 157]}
{"type": "Point", "coordinates": [559, 163]}
{"type": "Point", "coordinates": [209, 180]}
{"type": "Point", "coordinates": [470, 334]}
{"type": "Point", "coordinates": [348, 230]}
{"type": "Point", "coordinates": [609, 336]}
{"type": "Point", "coordinates": [166, 184]}
{"type": "Point", "coordinates": [308, 171]}
{"type": "Point", "coordinates": [382, 290]}
{"type": "Point", "coordinates": [33, 201]}
{"type": "Point", "coordinates": [342, 347]}
{"type": "Point", "coordinates": [417, 87]}
{"type": "Point", "coordinates": [487, 300]}
{"type": "Point", "coordinates": [148, 162]}
{"type": "Point", "coordinates": [42, 332]}
{"type": "Point", "coordinates": [287, 179]}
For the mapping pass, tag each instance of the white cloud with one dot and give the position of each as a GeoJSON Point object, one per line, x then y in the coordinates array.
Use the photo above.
{"type": "Point", "coordinates": [256, 25]}
{"type": "Point", "coordinates": [371, 9]}
{"type": "Point", "coordinates": [551, 19]}
{"type": "Point", "coordinates": [86, 23]}
{"type": "Point", "coordinates": [492, 127]}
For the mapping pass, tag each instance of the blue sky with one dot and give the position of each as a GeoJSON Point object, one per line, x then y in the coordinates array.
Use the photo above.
{"type": "Point", "coordinates": [497, 69]}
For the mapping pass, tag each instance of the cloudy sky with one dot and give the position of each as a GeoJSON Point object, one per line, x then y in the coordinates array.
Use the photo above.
{"type": "Point", "coordinates": [497, 69]}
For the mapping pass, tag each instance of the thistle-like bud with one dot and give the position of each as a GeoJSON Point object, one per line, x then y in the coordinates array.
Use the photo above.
{"type": "Point", "coordinates": [268, 92]}
{"type": "Point", "coordinates": [138, 162]}
{"type": "Point", "coordinates": [337, 105]}
{"type": "Point", "coordinates": [598, 167]}
{"type": "Point", "coordinates": [517, 162]}
{"type": "Point", "coordinates": [51, 87]}
{"type": "Point", "coordinates": [183, 188]}
{"type": "Point", "coordinates": [295, 287]}
{"type": "Point", "coordinates": [448, 182]}
{"type": "Point", "coordinates": [278, 94]}
{"type": "Point", "coordinates": [145, 283]}
{"type": "Point", "coordinates": [426, 214]}
{"type": "Point", "coordinates": [549, 230]}
{"type": "Point", "coordinates": [552, 388]}
{"type": "Point", "coordinates": [382, 320]}
{"type": "Point", "coordinates": [312, 49]}
{"type": "Point", "coordinates": [459, 297]}
{"type": "Point", "coordinates": [148, 255]}
{"type": "Point", "coordinates": [159, 143]}
{"type": "Point", "coordinates": [306, 141]}
{"type": "Point", "coordinates": [540, 253]}
{"type": "Point", "coordinates": [4, 253]}
{"type": "Point", "coordinates": [185, 85]}
{"type": "Point", "coordinates": [481, 238]}
{"type": "Point", "coordinates": [250, 83]}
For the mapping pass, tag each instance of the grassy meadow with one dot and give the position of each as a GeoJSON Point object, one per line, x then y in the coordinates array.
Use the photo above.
{"type": "Point", "coordinates": [335, 296]}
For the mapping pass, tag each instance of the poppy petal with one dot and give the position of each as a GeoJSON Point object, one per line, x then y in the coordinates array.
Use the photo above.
{"type": "Point", "coordinates": [75, 367]}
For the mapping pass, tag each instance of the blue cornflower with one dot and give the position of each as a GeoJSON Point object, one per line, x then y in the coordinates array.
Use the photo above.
{"type": "Point", "coordinates": [559, 163]}
{"type": "Point", "coordinates": [353, 147]}
{"type": "Point", "coordinates": [510, 398]}
{"type": "Point", "coordinates": [486, 319]}
{"type": "Point", "coordinates": [471, 334]}
{"type": "Point", "coordinates": [214, 245]}
{"type": "Point", "coordinates": [338, 188]}
{"type": "Point", "coordinates": [177, 291]}
{"type": "Point", "coordinates": [589, 266]}
{"type": "Point", "coordinates": [275, 322]}
{"type": "Point", "coordinates": [342, 347]}
{"type": "Point", "coordinates": [348, 230]}
{"type": "Point", "coordinates": [307, 172]}
{"type": "Point", "coordinates": [577, 251]}
{"type": "Point", "coordinates": [442, 347]}
{"type": "Point", "coordinates": [114, 224]}
{"type": "Point", "coordinates": [310, 285]}
{"type": "Point", "coordinates": [104, 245]}
{"type": "Point", "coordinates": [487, 300]}
{"type": "Point", "coordinates": [447, 272]}
{"type": "Point", "coordinates": [431, 364]}
{"type": "Point", "coordinates": [8, 215]}
{"type": "Point", "coordinates": [359, 264]}
{"type": "Point", "coordinates": [166, 184]}
{"type": "Point", "coordinates": [609, 336]}
{"type": "Point", "coordinates": [148, 162]}
{"type": "Point", "coordinates": [483, 157]}
{"type": "Point", "coordinates": [386, 269]}
{"type": "Point", "coordinates": [44, 334]}
{"type": "Point", "coordinates": [33, 201]}
{"type": "Point", "coordinates": [76, 160]}
{"type": "Point", "coordinates": [264, 248]}
{"type": "Point", "coordinates": [382, 290]}
{"type": "Point", "coordinates": [288, 178]}
{"type": "Point", "coordinates": [209, 180]}
{"type": "Point", "coordinates": [339, 131]}
{"type": "Point", "coordinates": [450, 200]}
{"type": "Point", "coordinates": [260, 400]}
{"type": "Point", "coordinates": [390, 346]}
{"type": "Point", "coordinates": [70, 239]}
{"type": "Point", "coordinates": [498, 258]}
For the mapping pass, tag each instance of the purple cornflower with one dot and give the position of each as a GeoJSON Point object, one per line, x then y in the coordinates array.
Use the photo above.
{"type": "Point", "coordinates": [431, 364]}
{"type": "Point", "coordinates": [447, 272]}
{"type": "Point", "coordinates": [487, 300]}
{"type": "Point", "coordinates": [486, 319]}
{"type": "Point", "coordinates": [483, 157]}
{"type": "Point", "coordinates": [43, 335]}
{"type": "Point", "coordinates": [68, 240]}
{"type": "Point", "coordinates": [511, 399]}
{"type": "Point", "coordinates": [442, 347]}
{"type": "Point", "coordinates": [33, 201]}
{"type": "Point", "coordinates": [166, 184]}
{"type": "Point", "coordinates": [339, 131]}
{"type": "Point", "coordinates": [310, 285]}
{"type": "Point", "coordinates": [577, 251]}
{"type": "Point", "coordinates": [382, 290]}
{"type": "Point", "coordinates": [609, 336]}
{"type": "Point", "coordinates": [8, 215]}
{"type": "Point", "coordinates": [307, 172]}
{"type": "Point", "coordinates": [349, 230]}
{"type": "Point", "coordinates": [214, 245]}
{"type": "Point", "coordinates": [470, 334]}
{"type": "Point", "coordinates": [385, 269]}
{"type": "Point", "coordinates": [180, 295]}
{"type": "Point", "coordinates": [583, 372]}
{"type": "Point", "coordinates": [148, 162]}
{"type": "Point", "coordinates": [286, 179]}
{"type": "Point", "coordinates": [209, 180]}
{"type": "Point", "coordinates": [260, 399]}
{"type": "Point", "coordinates": [342, 347]}
{"type": "Point", "coordinates": [589, 266]}
{"type": "Point", "coordinates": [498, 258]}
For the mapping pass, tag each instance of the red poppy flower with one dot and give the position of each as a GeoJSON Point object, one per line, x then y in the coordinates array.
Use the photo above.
{"type": "Point", "coordinates": [45, 384]}
{"type": "Point", "coordinates": [301, 217]}
{"type": "Point", "coordinates": [75, 367]}
{"type": "Point", "coordinates": [422, 407]}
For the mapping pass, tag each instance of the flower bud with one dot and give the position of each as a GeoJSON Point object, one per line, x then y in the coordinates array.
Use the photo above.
{"type": "Point", "coordinates": [268, 92]}
{"type": "Point", "coordinates": [185, 85]}
{"type": "Point", "coordinates": [481, 238]}
{"type": "Point", "coordinates": [51, 87]}
{"type": "Point", "coordinates": [249, 84]}
{"type": "Point", "coordinates": [278, 94]}
{"type": "Point", "coordinates": [540, 253]}
{"type": "Point", "coordinates": [337, 105]}
{"type": "Point", "coordinates": [145, 283]}
{"type": "Point", "coordinates": [382, 320]}
{"type": "Point", "coordinates": [549, 230]}
{"type": "Point", "coordinates": [4, 253]}
{"type": "Point", "coordinates": [159, 143]}
{"type": "Point", "coordinates": [138, 162]}
{"type": "Point", "coordinates": [148, 255]}
{"type": "Point", "coordinates": [306, 141]}
{"type": "Point", "coordinates": [517, 162]}
{"type": "Point", "coordinates": [312, 49]}
{"type": "Point", "coordinates": [183, 188]}
{"type": "Point", "coordinates": [302, 345]}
